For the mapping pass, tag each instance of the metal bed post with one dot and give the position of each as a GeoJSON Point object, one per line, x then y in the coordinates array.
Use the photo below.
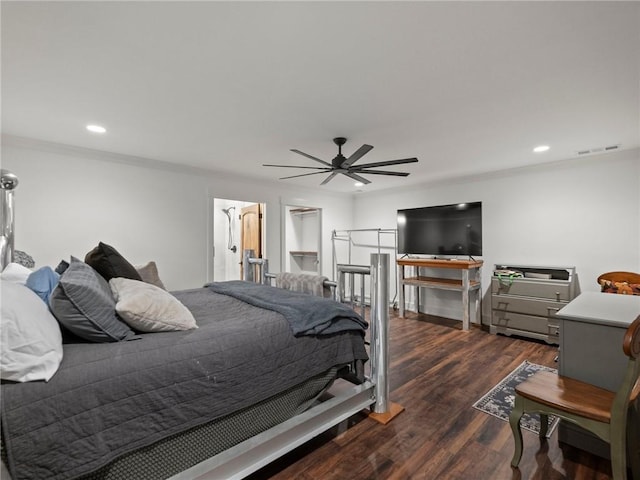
{"type": "Point", "coordinates": [380, 329]}
{"type": "Point", "coordinates": [352, 287]}
{"type": "Point", "coordinates": [382, 410]}
{"type": "Point", "coordinates": [247, 270]}
{"type": "Point", "coordinates": [352, 271]}
{"type": "Point", "coordinates": [248, 267]}
{"type": "Point", "coordinates": [340, 289]}
{"type": "Point", "coordinates": [8, 183]}
{"type": "Point", "coordinates": [334, 260]}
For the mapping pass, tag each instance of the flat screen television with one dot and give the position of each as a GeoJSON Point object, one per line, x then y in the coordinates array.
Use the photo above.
{"type": "Point", "coordinates": [441, 230]}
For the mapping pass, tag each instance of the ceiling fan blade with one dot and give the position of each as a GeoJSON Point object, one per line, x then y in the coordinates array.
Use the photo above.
{"type": "Point", "coordinates": [311, 157]}
{"type": "Point", "coordinates": [384, 172]}
{"type": "Point", "coordinates": [386, 163]}
{"type": "Point", "coordinates": [329, 178]}
{"type": "Point", "coordinates": [305, 174]}
{"type": "Point", "coordinates": [357, 178]}
{"type": "Point", "coordinates": [357, 155]}
{"type": "Point", "coordinates": [294, 166]}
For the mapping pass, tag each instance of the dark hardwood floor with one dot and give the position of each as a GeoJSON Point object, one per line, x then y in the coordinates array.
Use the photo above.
{"type": "Point", "coordinates": [437, 371]}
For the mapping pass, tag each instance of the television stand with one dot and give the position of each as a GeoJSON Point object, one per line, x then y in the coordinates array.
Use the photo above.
{"type": "Point", "coordinates": [469, 281]}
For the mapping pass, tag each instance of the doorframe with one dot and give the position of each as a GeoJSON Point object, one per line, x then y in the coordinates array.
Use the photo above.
{"type": "Point", "coordinates": [211, 233]}
{"type": "Point", "coordinates": [284, 203]}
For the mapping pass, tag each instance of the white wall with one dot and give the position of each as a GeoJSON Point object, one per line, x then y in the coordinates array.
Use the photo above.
{"type": "Point", "coordinates": [582, 212]}
{"type": "Point", "coordinates": [69, 199]}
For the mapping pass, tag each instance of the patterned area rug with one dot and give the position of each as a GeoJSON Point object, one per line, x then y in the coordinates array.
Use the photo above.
{"type": "Point", "coordinates": [499, 400]}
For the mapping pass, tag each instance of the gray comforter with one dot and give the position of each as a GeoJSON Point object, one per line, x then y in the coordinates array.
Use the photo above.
{"type": "Point", "coordinates": [108, 399]}
{"type": "Point", "coordinates": [306, 314]}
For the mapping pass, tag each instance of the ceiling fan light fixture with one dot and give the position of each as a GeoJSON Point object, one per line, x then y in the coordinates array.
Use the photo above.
{"type": "Point", "coordinates": [541, 148]}
{"type": "Point", "coordinates": [358, 184]}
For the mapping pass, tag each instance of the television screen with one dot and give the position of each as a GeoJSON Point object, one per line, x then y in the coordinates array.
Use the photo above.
{"type": "Point", "coordinates": [443, 230]}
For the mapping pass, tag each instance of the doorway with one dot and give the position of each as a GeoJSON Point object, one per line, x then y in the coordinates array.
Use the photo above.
{"type": "Point", "coordinates": [302, 239]}
{"type": "Point", "coordinates": [237, 225]}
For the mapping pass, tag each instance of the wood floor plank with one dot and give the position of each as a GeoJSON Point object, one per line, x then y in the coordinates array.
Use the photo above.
{"type": "Point", "coordinates": [437, 371]}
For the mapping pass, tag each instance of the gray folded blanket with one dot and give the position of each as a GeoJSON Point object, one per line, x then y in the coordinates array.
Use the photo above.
{"type": "Point", "coordinates": [303, 282]}
{"type": "Point", "coordinates": [306, 314]}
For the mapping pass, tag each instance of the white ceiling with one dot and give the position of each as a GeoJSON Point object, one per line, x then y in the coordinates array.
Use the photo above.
{"type": "Point", "coordinates": [467, 87]}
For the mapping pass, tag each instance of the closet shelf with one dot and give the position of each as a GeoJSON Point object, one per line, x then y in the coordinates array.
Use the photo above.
{"type": "Point", "coordinates": [303, 211]}
{"type": "Point", "coordinates": [302, 253]}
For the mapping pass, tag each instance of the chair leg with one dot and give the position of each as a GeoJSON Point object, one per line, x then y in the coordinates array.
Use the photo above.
{"type": "Point", "coordinates": [619, 453]}
{"type": "Point", "coordinates": [633, 440]}
{"type": "Point", "coordinates": [544, 425]}
{"type": "Point", "coordinates": [514, 421]}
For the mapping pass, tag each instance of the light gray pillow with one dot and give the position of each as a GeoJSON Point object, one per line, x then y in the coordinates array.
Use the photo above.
{"type": "Point", "coordinates": [82, 302]}
{"type": "Point", "coordinates": [148, 308]}
{"type": "Point", "coordinates": [149, 274]}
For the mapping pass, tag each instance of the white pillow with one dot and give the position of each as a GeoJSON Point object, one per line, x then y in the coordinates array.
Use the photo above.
{"type": "Point", "coordinates": [31, 338]}
{"type": "Point", "coordinates": [16, 273]}
{"type": "Point", "coordinates": [148, 308]}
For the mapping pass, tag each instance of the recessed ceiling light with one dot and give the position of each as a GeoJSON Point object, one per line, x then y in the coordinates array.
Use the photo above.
{"type": "Point", "coordinates": [541, 148]}
{"type": "Point", "coordinates": [96, 129]}
{"type": "Point", "coordinates": [358, 184]}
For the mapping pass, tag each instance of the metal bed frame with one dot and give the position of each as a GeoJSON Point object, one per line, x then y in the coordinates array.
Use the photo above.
{"type": "Point", "coordinates": [258, 451]}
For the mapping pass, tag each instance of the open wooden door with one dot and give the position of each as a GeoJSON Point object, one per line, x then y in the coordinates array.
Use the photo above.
{"type": "Point", "coordinates": [250, 231]}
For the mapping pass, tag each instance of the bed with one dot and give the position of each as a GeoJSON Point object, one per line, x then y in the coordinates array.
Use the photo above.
{"type": "Point", "coordinates": [109, 399]}
{"type": "Point", "coordinates": [217, 401]}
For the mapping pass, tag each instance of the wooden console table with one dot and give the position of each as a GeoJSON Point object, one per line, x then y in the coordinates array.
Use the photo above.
{"type": "Point", "coordinates": [469, 282]}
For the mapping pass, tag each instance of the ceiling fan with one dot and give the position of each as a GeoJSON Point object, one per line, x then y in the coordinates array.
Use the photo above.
{"type": "Point", "coordinates": [344, 165]}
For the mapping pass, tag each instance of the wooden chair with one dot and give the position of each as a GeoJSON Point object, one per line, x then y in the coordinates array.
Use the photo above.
{"type": "Point", "coordinates": [600, 411]}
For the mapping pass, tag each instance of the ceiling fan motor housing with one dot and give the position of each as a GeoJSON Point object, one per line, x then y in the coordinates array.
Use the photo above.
{"type": "Point", "coordinates": [337, 161]}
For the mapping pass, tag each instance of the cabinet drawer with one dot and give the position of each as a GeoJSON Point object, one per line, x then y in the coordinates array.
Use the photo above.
{"type": "Point", "coordinates": [518, 321]}
{"type": "Point", "coordinates": [532, 306]}
{"type": "Point", "coordinates": [553, 290]}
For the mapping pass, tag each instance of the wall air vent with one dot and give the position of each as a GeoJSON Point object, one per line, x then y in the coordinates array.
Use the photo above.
{"type": "Point", "coordinates": [592, 151]}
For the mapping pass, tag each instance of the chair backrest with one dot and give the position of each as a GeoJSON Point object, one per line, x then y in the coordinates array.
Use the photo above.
{"type": "Point", "coordinates": [628, 277]}
{"type": "Point", "coordinates": [631, 348]}
{"type": "Point", "coordinates": [631, 342]}
{"type": "Point", "coordinates": [626, 283]}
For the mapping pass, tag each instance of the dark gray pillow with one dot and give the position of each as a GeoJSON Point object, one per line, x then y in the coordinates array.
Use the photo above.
{"type": "Point", "coordinates": [108, 262]}
{"type": "Point", "coordinates": [82, 302]}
